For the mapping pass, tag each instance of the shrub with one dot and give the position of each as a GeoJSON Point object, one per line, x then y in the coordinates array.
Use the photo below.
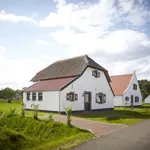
{"type": "Point", "coordinates": [23, 109]}
{"type": "Point", "coordinates": [68, 111]}
{"type": "Point", "coordinates": [11, 113]}
{"type": "Point", "coordinates": [8, 101]}
{"type": "Point", "coordinates": [35, 111]}
{"type": "Point", "coordinates": [38, 128]}
{"type": "Point", "coordinates": [50, 117]}
{"type": "Point", "coordinates": [11, 140]}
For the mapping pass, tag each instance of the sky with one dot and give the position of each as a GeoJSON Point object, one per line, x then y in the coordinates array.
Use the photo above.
{"type": "Point", "coordinates": [35, 33]}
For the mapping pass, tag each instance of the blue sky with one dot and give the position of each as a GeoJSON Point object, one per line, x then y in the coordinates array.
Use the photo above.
{"type": "Point", "coordinates": [35, 33]}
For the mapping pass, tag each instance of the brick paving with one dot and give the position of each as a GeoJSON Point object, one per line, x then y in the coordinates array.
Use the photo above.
{"type": "Point", "coordinates": [98, 128]}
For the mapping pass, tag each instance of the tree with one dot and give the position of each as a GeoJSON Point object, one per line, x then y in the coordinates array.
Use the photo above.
{"type": "Point", "coordinates": [7, 94]}
{"type": "Point", "coordinates": [145, 88]}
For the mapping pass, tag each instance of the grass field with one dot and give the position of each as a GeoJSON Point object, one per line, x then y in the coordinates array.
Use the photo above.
{"type": "Point", "coordinates": [119, 115]}
{"type": "Point", "coordinates": [5, 107]}
{"type": "Point", "coordinates": [26, 133]}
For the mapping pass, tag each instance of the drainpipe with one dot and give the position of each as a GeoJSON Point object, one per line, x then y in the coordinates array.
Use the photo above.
{"type": "Point", "coordinates": [59, 101]}
{"type": "Point", "coordinates": [123, 104]}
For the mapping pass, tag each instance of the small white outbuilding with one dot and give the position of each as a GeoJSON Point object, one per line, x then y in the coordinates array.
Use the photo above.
{"type": "Point", "coordinates": [147, 100]}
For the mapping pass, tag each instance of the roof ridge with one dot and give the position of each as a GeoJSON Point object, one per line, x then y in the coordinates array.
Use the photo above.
{"type": "Point", "coordinates": [122, 75]}
{"type": "Point", "coordinates": [70, 58]}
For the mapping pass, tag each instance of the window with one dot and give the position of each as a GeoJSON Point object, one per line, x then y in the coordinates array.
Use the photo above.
{"type": "Point", "coordinates": [127, 98]}
{"type": "Point", "coordinates": [136, 99]}
{"type": "Point", "coordinates": [28, 96]}
{"type": "Point", "coordinates": [70, 96]}
{"type": "Point", "coordinates": [135, 86]}
{"type": "Point", "coordinates": [40, 96]}
{"type": "Point", "coordinates": [96, 73]}
{"type": "Point", "coordinates": [100, 98]}
{"type": "Point", "coordinates": [34, 96]}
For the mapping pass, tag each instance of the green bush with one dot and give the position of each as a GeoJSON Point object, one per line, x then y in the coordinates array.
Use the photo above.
{"type": "Point", "coordinates": [50, 117]}
{"type": "Point", "coordinates": [8, 101]}
{"type": "Point", "coordinates": [11, 113]}
{"type": "Point", "coordinates": [23, 109]}
{"type": "Point", "coordinates": [35, 111]}
{"type": "Point", "coordinates": [11, 140]}
{"type": "Point", "coordinates": [68, 111]}
{"type": "Point", "coordinates": [38, 128]}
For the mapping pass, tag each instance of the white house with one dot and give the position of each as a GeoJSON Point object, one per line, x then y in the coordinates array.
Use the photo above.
{"type": "Point", "coordinates": [78, 82]}
{"type": "Point", "coordinates": [126, 90]}
{"type": "Point", "coordinates": [147, 100]}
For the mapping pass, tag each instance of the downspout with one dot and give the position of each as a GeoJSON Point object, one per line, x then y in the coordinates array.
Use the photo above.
{"type": "Point", "coordinates": [59, 101]}
{"type": "Point", "coordinates": [122, 101]}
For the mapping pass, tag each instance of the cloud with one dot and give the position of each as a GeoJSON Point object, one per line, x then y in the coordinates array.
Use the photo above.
{"type": "Point", "coordinates": [43, 42]}
{"type": "Point", "coordinates": [104, 14]}
{"type": "Point", "coordinates": [60, 3]}
{"type": "Point", "coordinates": [110, 31]}
{"type": "Point", "coordinates": [16, 73]}
{"type": "Point", "coordinates": [124, 45]}
{"type": "Point", "coordinates": [4, 16]}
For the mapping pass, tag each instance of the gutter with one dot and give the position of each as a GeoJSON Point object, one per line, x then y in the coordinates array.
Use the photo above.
{"type": "Point", "coordinates": [59, 101]}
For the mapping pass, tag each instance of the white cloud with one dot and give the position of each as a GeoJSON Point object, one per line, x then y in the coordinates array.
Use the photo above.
{"type": "Point", "coordinates": [16, 73]}
{"type": "Point", "coordinates": [43, 42]}
{"type": "Point", "coordinates": [60, 2]}
{"type": "Point", "coordinates": [88, 27]}
{"type": "Point", "coordinates": [4, 16]}
{"type": "Point", "coordinates": [94, 27]}
{"type": "Point", "coordinates": [114, 42]}
{"type": "Point", "coordinates": [2, 49]}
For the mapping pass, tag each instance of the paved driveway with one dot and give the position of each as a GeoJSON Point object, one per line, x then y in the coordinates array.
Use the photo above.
{"type": "Point", "coordinates": [135, 137]}
{"type": "Point", "coordinates": [98, 128]}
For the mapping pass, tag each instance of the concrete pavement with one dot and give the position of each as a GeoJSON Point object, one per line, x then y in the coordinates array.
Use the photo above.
{"type": "Point", "coordinates": [134, 137]}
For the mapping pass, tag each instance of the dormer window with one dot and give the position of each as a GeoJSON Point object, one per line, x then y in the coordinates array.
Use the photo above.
{"type": "Point", "coordinates": [96, 73]}
{"type": "Point", "coordinates": [135, 86]}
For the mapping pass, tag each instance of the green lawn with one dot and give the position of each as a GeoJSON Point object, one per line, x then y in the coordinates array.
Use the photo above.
{"type": "Point", "coordinates": [119, 115]}
{"type": "Point", "coordinates": [5, 107]}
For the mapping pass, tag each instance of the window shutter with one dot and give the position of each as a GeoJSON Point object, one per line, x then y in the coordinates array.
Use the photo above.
{"type": "Point", "coordinates": [104, 98]}
{"type": "Point", "coordinates": [96, 98]}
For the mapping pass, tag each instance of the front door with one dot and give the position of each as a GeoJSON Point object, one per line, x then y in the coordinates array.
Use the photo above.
{"type": "Point", "coordinates": [131, 100]}
{"type": "Point", "coordinates": [87, 101]}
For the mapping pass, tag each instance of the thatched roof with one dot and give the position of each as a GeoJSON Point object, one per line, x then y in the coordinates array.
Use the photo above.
{"type": "Point", "coordinates": [68, 68]}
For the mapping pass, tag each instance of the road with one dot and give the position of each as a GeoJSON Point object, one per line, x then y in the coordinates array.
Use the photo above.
{"type": "Point", "coordinates": [134, 137]}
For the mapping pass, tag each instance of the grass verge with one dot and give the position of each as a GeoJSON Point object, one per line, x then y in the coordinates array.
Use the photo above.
{"type": "Point", "coordinates": [119, 115]}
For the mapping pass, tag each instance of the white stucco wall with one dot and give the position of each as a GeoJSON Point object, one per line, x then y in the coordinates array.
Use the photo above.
{"type": "Point", "coordinates": [128, 92]}
{"type": "Point", "coordinates": [147, 100]}
{"type": "Point", "coordinates": [118, 101]}
{"type": "Point", "coordinates": [50, 101]}
{"type": "Point", "coordinates": [89, 83]}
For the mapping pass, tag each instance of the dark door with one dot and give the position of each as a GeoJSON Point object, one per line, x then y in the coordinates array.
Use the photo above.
{"type": "Point", "coordinates": [87, 101]}
{"type": "Point", "coordinates": [131, 100]}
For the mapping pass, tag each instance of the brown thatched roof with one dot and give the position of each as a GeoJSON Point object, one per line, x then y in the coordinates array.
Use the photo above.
{"type": "Point", "coordinates": [68, 68]}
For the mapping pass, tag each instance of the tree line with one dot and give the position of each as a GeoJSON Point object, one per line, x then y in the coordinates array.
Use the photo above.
{"type": "Point", "coordinates": [145, 87]}
{"type": "Point", "coordinates": [10, 94]}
